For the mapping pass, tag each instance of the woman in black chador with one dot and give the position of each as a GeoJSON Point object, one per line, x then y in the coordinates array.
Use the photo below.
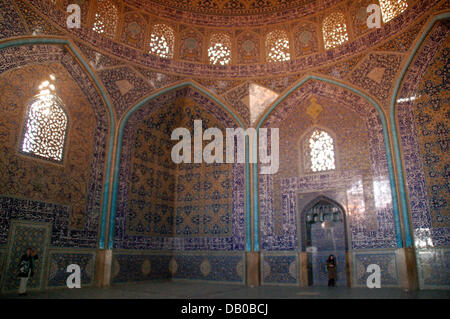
{"type": "Point", "coordinates": [331, 267]}
{"type": "Point", "coordinates": [26, 269]}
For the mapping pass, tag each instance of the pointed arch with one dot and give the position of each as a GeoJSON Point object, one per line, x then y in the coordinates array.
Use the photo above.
{"type": "Point", "coordinates": [122, 123]}
{"type": "Point", "coordinates": [107, 102]}
{"type": "Point", "coordinates": [326, 199]}
{"type": "Point", "coordinates": [387, 143]}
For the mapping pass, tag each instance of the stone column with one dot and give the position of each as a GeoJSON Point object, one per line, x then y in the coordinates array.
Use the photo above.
{"type": "Point", "coordinates": [348, 267]}
{"type": "Point", "coordinates": [103, 265]}
{"type": "Point", "coordinates": [253, 270]}
{"type": "Point", "coordinates": [407, 268]}
{"type": "Point", "coordinates": [303, 269]}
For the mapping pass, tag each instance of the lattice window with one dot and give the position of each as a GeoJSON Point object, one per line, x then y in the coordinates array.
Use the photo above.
{"type": "Point", "coordinates": [319, 152]}
{"type": "Point", "coordinates": [219, 51]}
{"type": "Point", "coordinates": [392, 8]}
{"type": "Point", "coordinates": [45, 126]}
{"type": "Point", "coordinates": [162, 41]}
{"type": "Point", "coordinates": [106, 18]}
{"type": "Point", "coordinates": [277, 46]}
{"type": "Point", "coordinates": [334, 30]}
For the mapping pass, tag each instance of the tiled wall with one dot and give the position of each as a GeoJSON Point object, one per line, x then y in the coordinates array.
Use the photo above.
{"type": "Point", "coordinates": [133, 266]}
{"type": "Point", "coordinates": [207, 196]}
{"type": "Point", "coordinates": [279, 268]}
{"type": "Point", "coordinates": [433, 266]}
{"type": "Point", "coordinates": [384, 258]}
{"type": "Point", "coordinates": [60, 259]}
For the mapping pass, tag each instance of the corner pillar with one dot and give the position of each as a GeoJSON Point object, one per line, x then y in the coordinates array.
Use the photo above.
{"type": "Point", "coordinates": [103, 263]}
{"type": "Point", "coordinates": [253, 270]}
{"type": "Point", "coordinates": [407, 268]}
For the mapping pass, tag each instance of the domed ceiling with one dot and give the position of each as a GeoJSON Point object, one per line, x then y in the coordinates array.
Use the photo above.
{"type": "Point", "coordinates": [233, 7]}
{"type": "Point", "coordinates": [236, 12]}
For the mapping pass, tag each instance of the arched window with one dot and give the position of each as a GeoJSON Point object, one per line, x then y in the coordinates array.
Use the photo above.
{"type": "Point", "coordinates": [392, 8]}
{"type": "Point", "coordinates": [106, 18]}
{"type": "Point", "coordinates": [334, 30]}
{"type": "Point", "coordinates": [162, 41]}
{"type": "Point", "coordinates": [219, 51]}
{"type": "Point", "coordinates": [45, 125]}
{"type": "Point", "coordinates": [319, 152]}
{"type": "Point", "coordinates": [277, 46]}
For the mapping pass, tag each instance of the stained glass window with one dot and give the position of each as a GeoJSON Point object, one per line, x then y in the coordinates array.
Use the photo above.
{"type": "Point", "coordinates": [321, 151]}
{"type": "Point", "coordinates": [45, 126]}
{"type": "Point", "coordinates": [219, 51]}
{"type": "Point", "coordinates": [277, 46]}
{"type": "Point", "coordinates": [392, 8]}
{"type": "Point", "coordinates": [106, 18]}
{"type": "Point", "coordinates": [334, 30]}
{"type": "Point", "coordinates": [162, 41]}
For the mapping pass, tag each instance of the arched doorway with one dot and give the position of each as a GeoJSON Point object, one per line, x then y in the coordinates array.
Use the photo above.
{"type": "Point", "coordinates": [324, 233]}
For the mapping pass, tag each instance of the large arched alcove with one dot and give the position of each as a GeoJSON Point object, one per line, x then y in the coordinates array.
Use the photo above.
{"type": "Point", "coordinates": [359, 179]}
{"type": "Point", "coordinates": [165, 211]}
{"type": "Point", "coordinates": [56, 200]}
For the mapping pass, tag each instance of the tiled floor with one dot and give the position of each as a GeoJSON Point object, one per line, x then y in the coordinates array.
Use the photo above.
{"type": "Point", "coordinates": [193, 290]}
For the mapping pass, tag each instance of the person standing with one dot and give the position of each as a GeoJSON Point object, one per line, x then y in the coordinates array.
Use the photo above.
{"type": "Point", "coordinates": [331, 267]}
{"type": "Point", "coordinates": [26, 269]}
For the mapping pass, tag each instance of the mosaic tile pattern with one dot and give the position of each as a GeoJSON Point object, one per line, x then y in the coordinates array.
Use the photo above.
{"type": "Point", "coordinates": [10, 22]}
{"type": "Point", "coordinates": [36, 24]}
{"type": "Point", "coordinates": [428, 230]}
{"type": "Point", "coordinates": [139, 266]}
{"type": "Point", "coordinates": [403, 42]}
{"type": "Point", "coordinates": [84, 213]}
{"type": "Point", "coordinates": [57, 267]}
{"type": "Point", "coordinates": [363, 178]}
{"type": "Point", "coordinates": [219, 87]}
{"type": "Point", "coordinates": [319, 268]}
{"type": "Point", "coordinates": [233, 240]}
{"type": "Point", "coordinates": [125, 87]}
{"type": "Point", "coordinates": [376, 75]}
{"type": "Point", "coordinates": [385, 259]}
{"type": "Point", "coordinates": [342, 69]}
{"type": "Point", "coordinates": [24, 235]}
{"type": "Point", "coordinates": [159, 80]}
{"type": "Point", "coordinates": [279, 84]}
{"type": "Point", "coordinates": [36, 211]}
{"type": "Point", "coordinates": [433, 267]}
{"type": "Point", "coordinates": [133, 29]}
{"type": "Point", "coordinates": [97, 60]}
{"type": "Point", "coordinates": [210, 268]}
{"type": "Point", "coordinates": [279, 269]}
{"type": "Point", "coordinates": [239, 99]}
